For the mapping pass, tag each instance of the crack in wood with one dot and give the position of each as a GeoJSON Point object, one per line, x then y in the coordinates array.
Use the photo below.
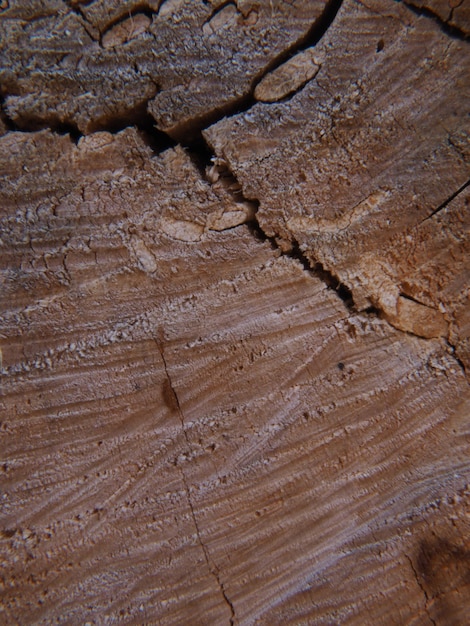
{"type": "Point", "coordinates": [311, 265]}
{"type": "Point", "coordinates": [138, 115]}
{"type": "Point", "coordinates": [452, 31]}
{"type": "Point", "coordinates": [4, 117]}
{"type": "Point", "coordinates": [402, 294]}
{"type": "Point", "coordinates": [172, 401]}
{"type": "Point", "coordinates": [76, 8]}
{"type": "Point", "coordinates": [203, 155]}
{"type": "Point", "coordinates": [313, 36]}
{"type": "Point", "coordinates": [420, 585]}
{"type": "Point", "coordinates": [447, 201]}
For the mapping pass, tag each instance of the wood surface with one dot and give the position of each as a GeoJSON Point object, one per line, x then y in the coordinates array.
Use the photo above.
{"type": "Point", "coordinates": [235, 365]}
{"type": "Point", "coordinates": [361, 177]}
{"type": "Point", "coordinates": [103, 63]}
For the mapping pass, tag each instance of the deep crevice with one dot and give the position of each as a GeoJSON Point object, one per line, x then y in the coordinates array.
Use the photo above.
{"type": "Point", "coordinates": [154, 138]}
{"type": "Point", "coordinates": [200, 154]}
{"type": "Point", "coordinates": [4, 117]}
{"type": "Point", "coordinates": [9, 123]}
{"type": "Point", "coordinates": [373, 310]}
{"type": "Point", "coordinates": [145, 124]}
{"type": "Point", "coordinates": [313, 267]}
{"type": "Point", "coordinates": [447, 201]}
{"type": "Point", "coordinates": [326, 276]}
{"type": "Point", "coordinates": [452, 31]}
{"type": "Point", "coordinates": [138, 118]}
{"type": "Point", "coordinates": [190, 132]}
{"type": "Point", "coordinates": [34, 125]}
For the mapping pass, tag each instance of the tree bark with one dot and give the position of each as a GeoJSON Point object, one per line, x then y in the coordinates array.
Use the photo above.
{"type": "Point", "coordinates": [234, 314]}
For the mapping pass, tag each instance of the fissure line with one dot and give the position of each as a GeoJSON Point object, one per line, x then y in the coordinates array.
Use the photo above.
{"type": "Point", "coordinates": [449, 29]}
{"type": "Point", "coordinates": [310, 264]}
{"type": "Point", "coordinates": [213, 569]}
{"type": "Point", "coordinates": [420, 585]}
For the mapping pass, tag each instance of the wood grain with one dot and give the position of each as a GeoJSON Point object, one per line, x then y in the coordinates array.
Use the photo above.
{"type": "Point", "coordinates": [199, 424]}
{"type": "Point", "coordinates": [187, 422]}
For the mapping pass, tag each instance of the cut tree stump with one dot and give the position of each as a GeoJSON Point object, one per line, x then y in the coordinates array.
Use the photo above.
{"type": "Point", "coordinates": [234, 312]}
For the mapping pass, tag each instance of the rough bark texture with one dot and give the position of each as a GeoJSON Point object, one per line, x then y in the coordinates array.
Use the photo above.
{"type": "Point", "coordinates": [234, 386]}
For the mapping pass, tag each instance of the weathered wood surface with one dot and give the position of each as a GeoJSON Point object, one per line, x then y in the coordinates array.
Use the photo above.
{"type": "Point", "coordinates": [361, 172]}
{"type": "Point", "coordinates": [453, 13]}
{"type": "Point", "coordinates": [105, 63]}
{"type": "Point", "coordinates": [195, 427]}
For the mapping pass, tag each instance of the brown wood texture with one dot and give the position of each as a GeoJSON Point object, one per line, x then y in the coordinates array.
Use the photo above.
{"type": "Point", "coordinates": [107, 62]}
{"type": "Point", "coordinates": [234, 378]}
{"type": "Point", "coordinates": [362, 177]}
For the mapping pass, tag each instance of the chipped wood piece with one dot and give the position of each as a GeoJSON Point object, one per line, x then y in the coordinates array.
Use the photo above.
{"type": "Point", "coordinates": [126, 30]}
{"type": "Point", "coordinates": [417, 318]}
{"type": "Point", "coordinates": [289, 77]}
{"type": "Point", "coordinates": [223, 219]}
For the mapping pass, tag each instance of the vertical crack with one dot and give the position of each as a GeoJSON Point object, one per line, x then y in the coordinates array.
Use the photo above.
{"type": "Point", "coordinates": [174, 400]}
{"type": "Point", "coordinates": [425, 593]}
